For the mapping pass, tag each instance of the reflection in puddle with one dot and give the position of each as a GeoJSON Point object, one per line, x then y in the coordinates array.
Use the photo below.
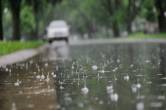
{"type": "Point", "coordinates": [58, 51]}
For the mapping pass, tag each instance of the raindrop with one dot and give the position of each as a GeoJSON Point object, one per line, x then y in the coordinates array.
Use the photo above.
{"type": "Point", "coordinates": [53, 75]}
{"type": "Point", "coordinates": [61, 87]}
{"type": "Point", "coordinates": [165, 13]}
{"type": "Point", "coordinates": [46, 64]}
{"type": "Point", "coordinates": [103, 71]}
{"type": "Point", "coordinates": [81, 105]}
{"type": "Point", "coordinates": [156, 104]}
{"type": "Point", "coordinates": [68, 99]}
{"type": "Point", "coordinates": [161, 97]}
{"type": "Point", "coordinates": [114, 97]}
{"type": "Point", "coordinates": [17, 83]}
{"type": "Point", "coordinates": [101, 102]}
{"type": "Point", "coordinates": [42, 77]}
{"type": "Point", "coordinates": [115, 69]}
{"type": "Point", "coordinates": [126, 77]}
{"type": "Point", "coordinates": [13, 106]}
{"type": "Point", "coordinates": [48, 78]}
{"type": "Point", "coordinates": [140, 106]}
{"type": "Point", "coordinates": [163, 85]}
{"type": "Point", "coordinates": [140, 97]}
{"type": "Point", "coordinates": [135, 87]}
{"type": "Point", "coordinates": [164, 78]}
{"type": "Point", "coordinates": [110, 89]}
{"type": "Point", "coordinates": [84, 90]}
{"type": "Point", "coordinates": [38, 77]}
{"type": "Point", "coordinates": [147, 61]}
{"type": "Point", "coordinates": [94, 67]}
{"type": "Point", "coordinates": [118, 60]}
{"type": "Point", "coordinates": [149, 82]}
{"type": "Point", "coordinates": [30, 105]}
{"type": "Point", "coordinates": [131, 65]}
{"type": "Point", "coordinates": [7, 69]}
{"type": "Point", "coordinates": [138, 85]}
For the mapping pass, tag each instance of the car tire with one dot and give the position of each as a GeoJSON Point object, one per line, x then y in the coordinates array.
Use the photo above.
{"type": "Point", "coordinates": [66, 40]}
{"type": "Point", "coordinates": [50, 41]}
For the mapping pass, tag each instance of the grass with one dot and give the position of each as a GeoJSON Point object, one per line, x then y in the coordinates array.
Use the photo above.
{"type": "Point", "coordinates": [7, 47]}
{"type": "Point", "coordinates": [148, 36]}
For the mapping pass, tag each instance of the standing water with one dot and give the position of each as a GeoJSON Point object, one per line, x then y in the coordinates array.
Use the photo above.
{"type": "Point", "coordinates": [94, 77]}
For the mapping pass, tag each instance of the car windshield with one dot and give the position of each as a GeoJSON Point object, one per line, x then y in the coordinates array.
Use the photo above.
{"type": "Point", "coordinates": [58, 24]}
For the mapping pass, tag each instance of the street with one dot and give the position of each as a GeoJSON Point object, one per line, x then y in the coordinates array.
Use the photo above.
{"type": "Point", "coordinates": [99, 76]}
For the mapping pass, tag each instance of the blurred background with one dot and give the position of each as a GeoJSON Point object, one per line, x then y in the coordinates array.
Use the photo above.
{"type": "Point", "coordinates": [28, 19]}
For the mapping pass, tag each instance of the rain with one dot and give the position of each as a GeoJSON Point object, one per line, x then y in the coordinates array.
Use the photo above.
{"type": "Point", "coordinates": [102, 79]}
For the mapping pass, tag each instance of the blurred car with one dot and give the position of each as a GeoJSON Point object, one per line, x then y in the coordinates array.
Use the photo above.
{"type": "Point", "coordinates": [57, 30]}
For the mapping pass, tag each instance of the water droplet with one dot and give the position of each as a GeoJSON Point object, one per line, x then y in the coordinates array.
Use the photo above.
{"type": "Point", "coordinates": [134, 88]}
{"type": "Point", "coordinates": [156, 104]}
{"type": "Point", "coordinates": [115, 69]}
{"type": "Point", "coordinates": [110, 89]}
{"type": "Point", "coordinates": [114, 97]}
{"type": "Point", "coordinates": [17, 83]}
{"type": "Point", "coordinates": [46, 64]}
{"type": "Point", "coordinates": [94, 67]}
{"type": "Point", "coordinates": [53, 75]}
{"type": "Point", "coordinates": [101, 102]}
{"type": "Point", "coordinates": [131, 65]}
{"type": "Point", "coordinates": [42, 77]}
{"type": "Point", "coordinates": [48, 78]}
{"type": "Point", "coordinates": [61, 87]}
{"type": "Point", "coordinates": [84, 90]}
{"type": "Point", "coordinates": [140, 106]}
{"type": "Point", "coordinates": [161, 97]}
{"type": "Point", "coordinates": [126, 77]}
{"type": "Point", "coordinates": [118, 61]}
{"type": "Point", "coordinates": [138, 85]}
{"type": "Point", "coordinates": [147, 61]}
{"type": "Point", "coordinates": [81, 105]}
{"type": "Point", "coordinates": [38, 77]}
{"type": "Point", "coordinates": [30, 105]}
{"type": "Point", "coordinates": [13, 106]}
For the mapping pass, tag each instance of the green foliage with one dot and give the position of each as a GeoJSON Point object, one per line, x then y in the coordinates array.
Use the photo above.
{"type": "Point", "coordinates": [7, 23]}
{"type": "Point", "coordinates": [84, 16]}
{"type": "Point", "coordinates": [27, 20]}
{"type": "Point", "coordinates": [12, 46]}
{"type": "Point", "coordinates": [147, 36]}
{"type": "Point", "coordinates": [148, 10]}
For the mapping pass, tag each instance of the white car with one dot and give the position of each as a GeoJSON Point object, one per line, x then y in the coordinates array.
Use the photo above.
{"type": "Point", "coordinates": [57, 30]}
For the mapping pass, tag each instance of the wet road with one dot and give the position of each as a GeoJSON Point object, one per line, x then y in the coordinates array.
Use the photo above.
{"type": "Point", "coordinates": [108, 76]}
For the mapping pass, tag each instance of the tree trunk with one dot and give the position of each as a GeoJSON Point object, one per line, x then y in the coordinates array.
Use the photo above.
{"type": "Point", "coordinates": [129, 27]}
{"type": "Point", "coordinates": [116, 30]}
{"type": "Point", "coordinates": [129, 16]}
{"type": "Point", "coordinates": [15, 9]}
{"type": "Point", "coordinates": [36, 27]}
{"type": "Point", "coordinates": [1, 22]}
{"type": "Point", "coordinates": [36, 15]}
{"type": "Point", "coordinates": [161, 6]}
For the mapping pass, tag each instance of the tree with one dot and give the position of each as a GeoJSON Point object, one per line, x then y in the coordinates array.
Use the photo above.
{"type": "Point", "coordinates": [161, 7]}
{"type": "Point", "coordinates": [38, 8]}
{"type": "Point", "coordinates": [1, 21]}
{"type": "Point", "coordinates": [132, 11]}
{"type": "Point", "coordinates": [112, 10]}
{"type": "Point", "coordinates": [15, 6]}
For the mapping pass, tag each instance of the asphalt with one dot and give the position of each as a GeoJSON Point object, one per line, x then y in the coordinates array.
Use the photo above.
{"type": "Point", "coordinates": [23, 55]}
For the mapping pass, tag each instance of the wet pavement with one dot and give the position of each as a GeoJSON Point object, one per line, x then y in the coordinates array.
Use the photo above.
{"type": "Point", "coordinates": [108, 76]}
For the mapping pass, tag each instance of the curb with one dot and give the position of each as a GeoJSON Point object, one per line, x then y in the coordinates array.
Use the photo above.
{"type": "Point", "coordinates": [117, 41]}
{"type": "Point", "coordinates": [21, 55]}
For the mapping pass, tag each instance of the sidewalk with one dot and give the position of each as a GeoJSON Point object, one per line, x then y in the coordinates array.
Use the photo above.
{"type": "Point", "coordinates": [20, 55]}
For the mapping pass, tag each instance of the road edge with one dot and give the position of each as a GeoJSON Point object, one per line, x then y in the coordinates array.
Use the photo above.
{"type": "Point", "coordinates": [21, 55]}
